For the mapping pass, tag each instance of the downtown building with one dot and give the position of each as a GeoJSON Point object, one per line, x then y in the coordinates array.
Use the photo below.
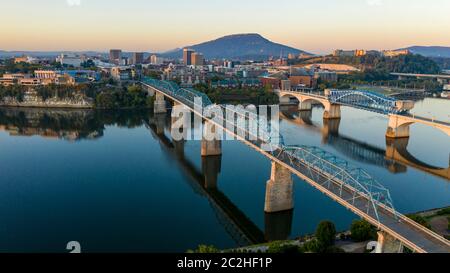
{"type": "Point", "coordinates": [137, 58]}
{"type": "Point", "coordinates": [187, 56]}
{"type": "Point", "coordinates": [115, 56]}
{"type": "Point", "coordinates": [197, 59]}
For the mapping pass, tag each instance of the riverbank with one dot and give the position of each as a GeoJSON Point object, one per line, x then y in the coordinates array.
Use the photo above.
{"type": "Point", "coordinates": [82, 96]}
{"type": "Point", "coordinates": [31, 100]}
{"type": "Point", "coordinates": [47, 106]}
{"type": "Point", "coordinates": [436, 220]}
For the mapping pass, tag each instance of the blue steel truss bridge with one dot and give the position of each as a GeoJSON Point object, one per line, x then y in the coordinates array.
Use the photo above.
{"type": "Point", "coordinates": [348, 185]}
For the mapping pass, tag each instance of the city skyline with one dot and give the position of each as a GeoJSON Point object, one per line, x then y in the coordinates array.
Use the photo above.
{"type": "Point", "coordinates": [159, 26]}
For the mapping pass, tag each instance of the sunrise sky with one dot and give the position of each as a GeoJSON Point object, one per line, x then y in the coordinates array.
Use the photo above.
{"type": "Point", "coordinates": [317, 26]}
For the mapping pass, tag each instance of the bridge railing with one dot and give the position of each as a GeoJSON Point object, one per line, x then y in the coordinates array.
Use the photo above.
{"type": "Point", "coordinates": [188, 96]}
{"type": "Point", "coordinates": [337, 170]}
{"type": "Point", "coordinates": [245, 118]}
{"type": "Point", "coordinates": [367, 100]}
{"type": "Point", "coordinates": [348, 176]}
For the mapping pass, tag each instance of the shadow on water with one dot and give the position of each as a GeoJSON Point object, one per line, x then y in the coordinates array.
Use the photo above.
{"type": "Point", "coordinates": [205, 183]}
{"type": "Point", "coordinates": [396, 157]}
{"type": "Point", "coordinates": [78, 125]}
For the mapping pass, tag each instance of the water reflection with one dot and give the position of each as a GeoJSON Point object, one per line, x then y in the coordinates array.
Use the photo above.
{"type": "Point", "coordinates": [395, 157]}
{"type": "Point", "coordinates": [204, 180]}
{"type": "Point", "coordinates": [205, 183]}
{"type": "Point", "coordinates": [71, 125]}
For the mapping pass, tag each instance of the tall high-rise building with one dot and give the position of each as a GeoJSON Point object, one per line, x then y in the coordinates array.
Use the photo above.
{"type": "Point", "coordinates": [187, 56]}
{"type": "Point", "coordinates": [137, 58]}
{"type": "Point", "coordinates": [115, 56]}
{"type": "Point", "coordinates": [197, 59]}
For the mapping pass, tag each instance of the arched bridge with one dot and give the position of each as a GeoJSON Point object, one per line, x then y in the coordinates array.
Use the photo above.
{"type": "Point", "coordinates": [395, 157]}
{"type": "Point", "coordinates": [348, 185]}
{"type": "Point", "coordinates": [369, 101]}
{"type": "Point", "coordinates": [397, 110]}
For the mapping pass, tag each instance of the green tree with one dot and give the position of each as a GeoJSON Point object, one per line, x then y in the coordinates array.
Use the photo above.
{"type": "Point", "coordinates": [326, 234]}
{"type": "Point", "coordinates": [362, 230]}
{"type": "Point", "coordinates": [205, 249]}
{"type": "Point", "coordinates": [282, 247]}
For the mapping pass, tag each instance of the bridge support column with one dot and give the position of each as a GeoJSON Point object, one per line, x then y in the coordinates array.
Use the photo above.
{"type": "Point", "coordinates": [285, 100]}
{"type": "Point", "coordinates": [388, 244]}
{"type": "Point", "coordinates": [279, 190]}
{"type": "Point", "coordinates": [160, 104]}
{"type": "Point", "coordinates": [397, 128]}
{"type": "Point", "coordinates": [160, 122]}
{"type": "Point", "coordinates": [181, 122]}
{"type": "Point", "coordinates": [305, 106]}
{"type": "Point", "coordinates": [211, 142]}
{"type": "Point", "coordinates": [332, 111]}
{"type": "Point", "coordinates": [211, 167]}
{"type": "Point", "coordinates": [150, 91]}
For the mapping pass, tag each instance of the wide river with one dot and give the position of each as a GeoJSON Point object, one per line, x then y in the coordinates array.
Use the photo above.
{"type": "Point", "coordinates": [116, 182]}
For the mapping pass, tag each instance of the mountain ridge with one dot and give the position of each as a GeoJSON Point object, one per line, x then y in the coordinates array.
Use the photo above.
{"type": "Point", "coordinates": [238, 46]}
{"type": "Point", "coordinates": [430, 51]}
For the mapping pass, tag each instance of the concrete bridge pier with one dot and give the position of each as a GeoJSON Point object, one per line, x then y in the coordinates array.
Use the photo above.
{"type": "Point", "coordinates": [160, 122]}
{"type": "Point", "coordinates": [180, 125]}
{"type": "Point", "coordinates": [305, 106]}
{"type": "Point", "coordinates": [211, 168]}
{"type": "Point", "coordinates": [150, 91]}
{"type": "Point", "coordinates": [285, 100]}
{"type": "Point", "coordinates": [279, 190]}
{"type": "Point", "coordinates": [388, 244]}
{"type": "Point", "coordinates": [332, 111]}
{"type": "Point", "coordinates": [278, 225]}
{"type": "Point", "coordinates": [211, 142]}
{"type": "Point", "coordinates": [305, 117]}
{"type": "Point", "coordinates": [397, 128]}
{"type": "Point", "coordinates": [160, 104]}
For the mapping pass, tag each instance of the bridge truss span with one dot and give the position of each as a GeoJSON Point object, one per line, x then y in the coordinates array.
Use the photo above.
{"type": "Point", "coordinates": [347, 177]}
{"type": "Point", "coordinates": [368, 100]}
{"type": "Point", "coordinates": [352, 187]}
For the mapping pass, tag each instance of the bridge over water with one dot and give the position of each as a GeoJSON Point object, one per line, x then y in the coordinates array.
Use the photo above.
{"type": "Point", "coordinates": [204, 183]}
{"type": "Point", "coordinates": [348, 185]}
{"type": "Point", "coordinates": [397, 110]}
{"type": "Point", "coordinates": [395, 157]}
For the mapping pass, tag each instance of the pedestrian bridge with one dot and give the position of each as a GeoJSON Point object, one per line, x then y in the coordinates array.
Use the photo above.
{"type": "Point", "coordinates": [348, 185]}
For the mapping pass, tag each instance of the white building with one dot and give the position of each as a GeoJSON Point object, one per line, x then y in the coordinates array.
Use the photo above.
{"type": "Point", "coordinates": [69, 60]}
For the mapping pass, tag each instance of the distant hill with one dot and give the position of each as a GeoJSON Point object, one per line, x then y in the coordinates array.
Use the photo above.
{"type": "Point", "coordinates": [45, 54]}
{"type": "Point", "coordinates": [238, 46]}
{"type": "Point", "coordinates": [430, 51]}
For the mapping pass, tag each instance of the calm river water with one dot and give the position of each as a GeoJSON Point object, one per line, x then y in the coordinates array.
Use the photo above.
{"type": "Point", "coordinates": [115, 182]}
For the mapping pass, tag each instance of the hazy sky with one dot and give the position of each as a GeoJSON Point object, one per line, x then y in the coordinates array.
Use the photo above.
{"type": "Point", "coordinates": [317, 26]}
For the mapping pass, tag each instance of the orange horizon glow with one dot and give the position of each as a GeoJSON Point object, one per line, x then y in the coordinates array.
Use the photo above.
{"type": "Point", "coordinates": [157, 26]}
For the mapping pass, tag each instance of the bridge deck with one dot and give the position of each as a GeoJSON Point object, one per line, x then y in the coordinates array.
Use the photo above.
{"type": "Point", "coordinates": [426, 120]}
{"type": "Point", "coordinates": [401, 226]}
{"type": "Point", "coordinates": [408, 232]}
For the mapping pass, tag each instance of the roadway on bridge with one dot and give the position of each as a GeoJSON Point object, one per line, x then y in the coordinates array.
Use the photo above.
{"type": "Point", "coordinates": [413, 235]}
